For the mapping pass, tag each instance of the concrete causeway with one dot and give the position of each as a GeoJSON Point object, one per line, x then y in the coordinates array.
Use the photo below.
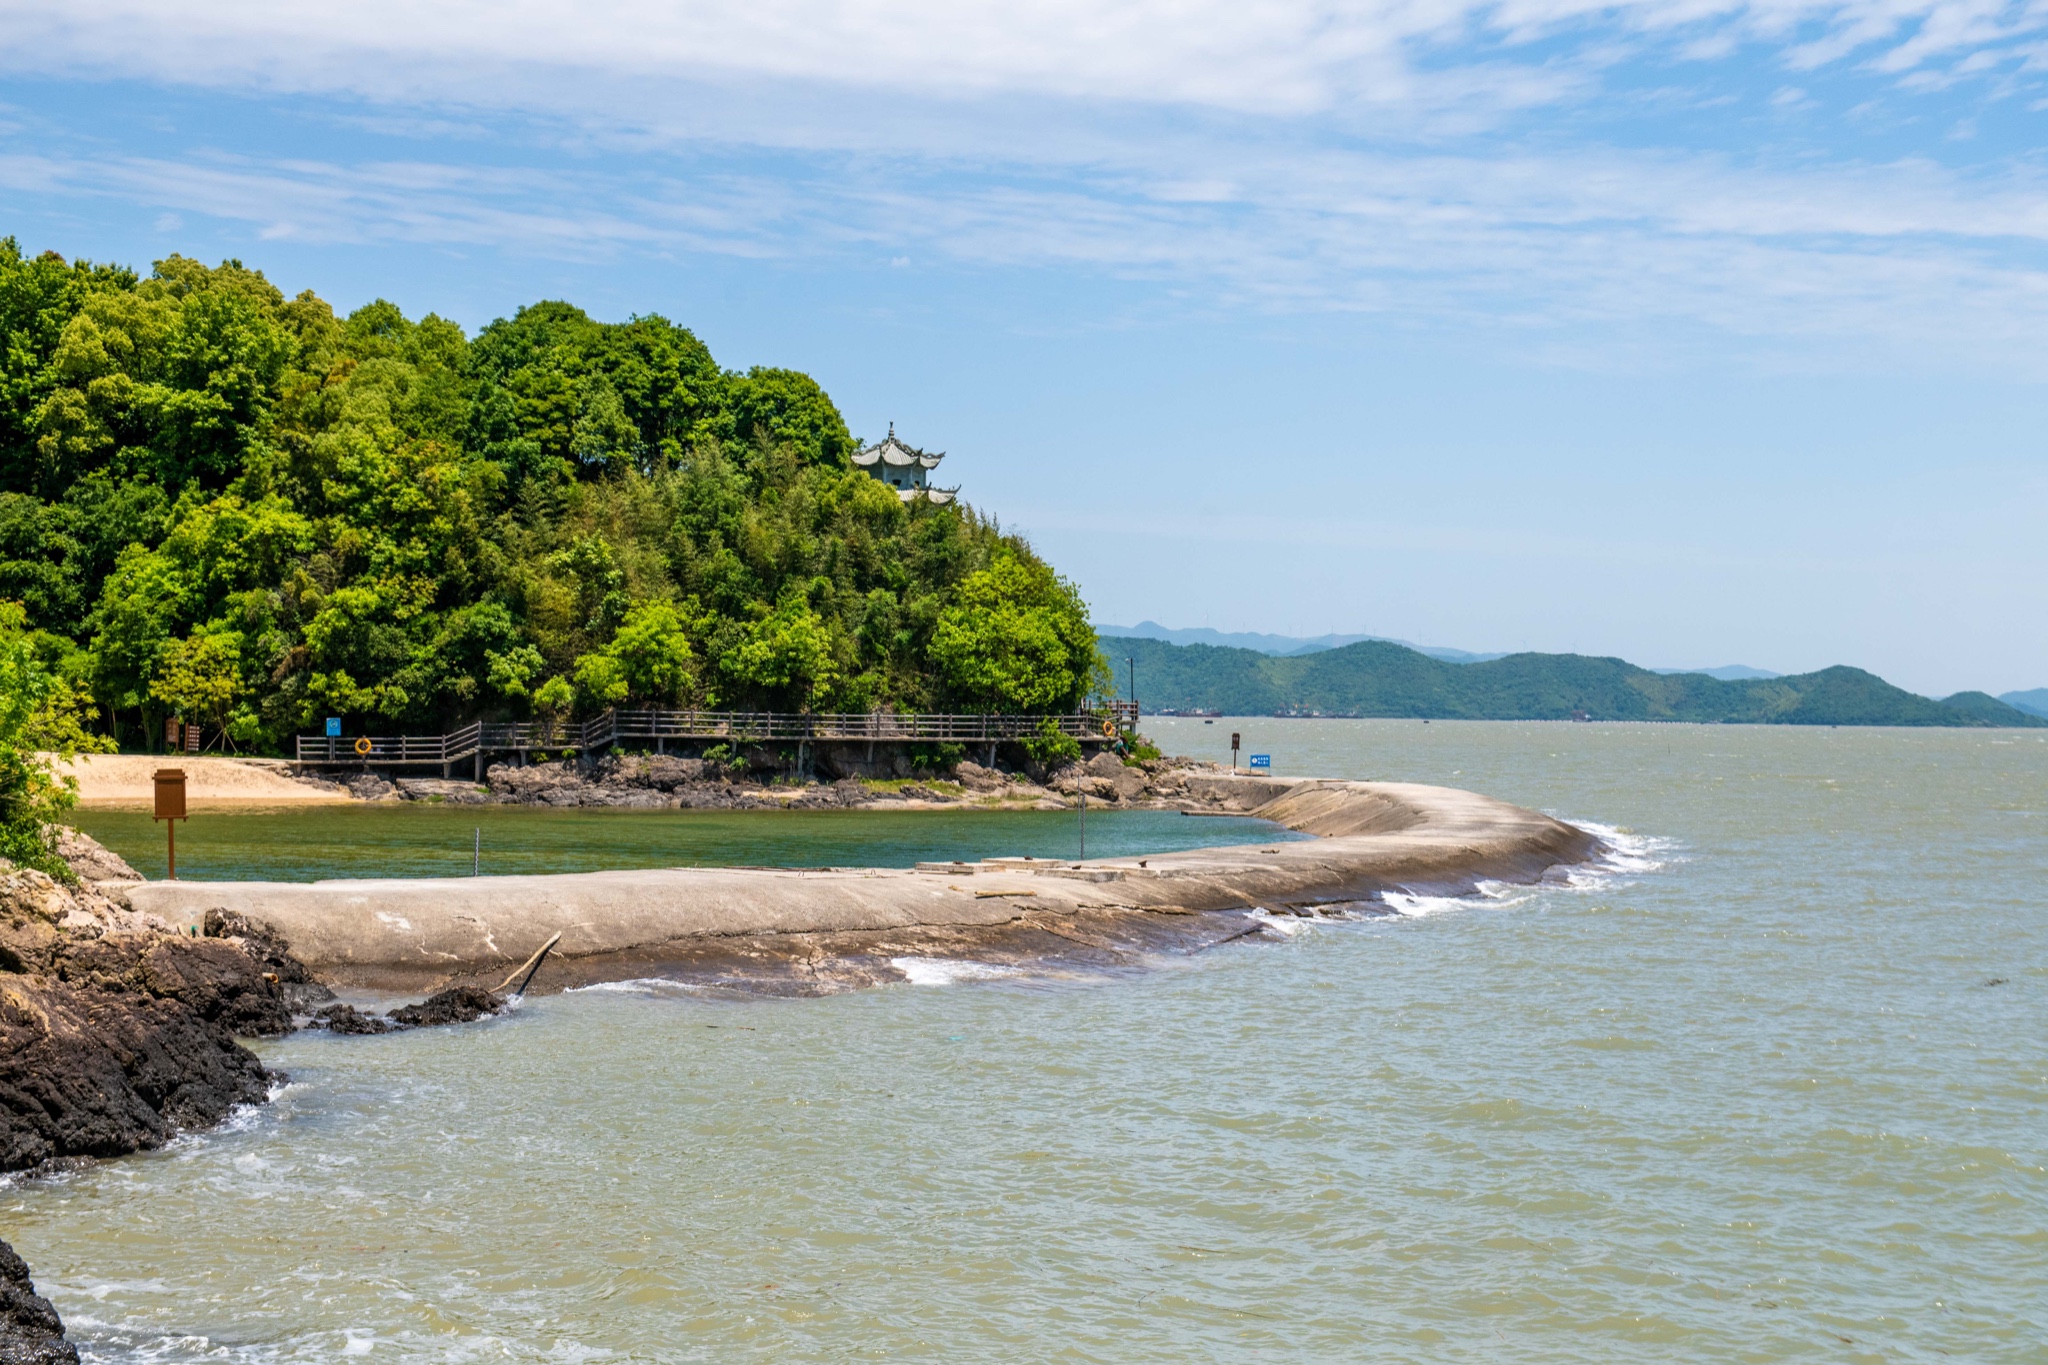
{"type": "Point", "coordinates": [409, 933]}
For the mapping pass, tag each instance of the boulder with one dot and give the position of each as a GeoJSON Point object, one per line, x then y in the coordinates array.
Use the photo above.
{"type": "Point", "coordinates": [115, 1032]}
{"type": "Point", "coordinates": [456, 1005]}
{"type": "Point", "coordinates": [31, 1333]}
{"type": "Point", "coordinates": [974, 777]}
{"type": "Point", "coordinates": [442, 789]}
{"type": "Point", "coordinates": [92, 860]}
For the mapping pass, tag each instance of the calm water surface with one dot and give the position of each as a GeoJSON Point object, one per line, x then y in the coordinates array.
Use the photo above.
{"type": "Point", "coordinates": [307, 843]}
{"type": "Point", "coordinates": [1773, 1091]}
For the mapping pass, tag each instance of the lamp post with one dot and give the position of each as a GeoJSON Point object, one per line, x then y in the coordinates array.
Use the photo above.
{"type": "Point", "coordinates": [1132, 660]}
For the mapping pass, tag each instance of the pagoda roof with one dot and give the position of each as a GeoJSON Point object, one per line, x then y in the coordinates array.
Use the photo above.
{"type": "Point", "coordinates": [896, 454]}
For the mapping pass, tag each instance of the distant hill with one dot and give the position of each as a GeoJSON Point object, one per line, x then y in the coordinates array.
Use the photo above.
{"type": "Point", "coordinates": [2034, 702]}
{"type": "Point", "coordinates": [1287, 645]}
{"type": "Point", "coordinates": [1726, 672]}
{"type": "Point", "coordinates": [1379, 678]}
{"type": "Point", "coordinates": [1279, 645]}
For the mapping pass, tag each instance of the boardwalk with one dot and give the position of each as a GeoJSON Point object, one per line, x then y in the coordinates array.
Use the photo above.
{"type": "Point", "coordinates": [656, 728]}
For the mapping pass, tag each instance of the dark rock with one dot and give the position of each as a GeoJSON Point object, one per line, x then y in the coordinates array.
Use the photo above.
{"type": "Point", "coordinates": [349, 1019]}
{"type": "Point", "coordinates": [369, 786]}
{"type": "Point", "coordinates": [844, 794]}
{"type": "Point", "coordinates": [272, 951]}
{"type": "Point", "coordinates": [116, 1032]}
{"type": "Point", "coordinates": [102, 1071]}
{"type": "Point", "coordinates": [218, 981]}
{"type": "Point", "coordinates": [31, 1333]}
{"type": "Point", "coordinates": [456, 1005]}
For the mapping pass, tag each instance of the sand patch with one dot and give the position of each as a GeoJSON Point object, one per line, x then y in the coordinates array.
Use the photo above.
{"type": "Point", "coordinates": [130, 778]}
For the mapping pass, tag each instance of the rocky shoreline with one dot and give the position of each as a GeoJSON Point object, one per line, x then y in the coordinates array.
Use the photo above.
{"type": "Point", "coordinates": [666, 781]}
{"type": "Point", "coordinates": [118, 1031]}
{"type": "Point", "coordinates": [31, 1333]}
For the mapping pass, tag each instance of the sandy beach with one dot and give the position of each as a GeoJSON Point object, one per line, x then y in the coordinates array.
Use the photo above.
{"type": "Point", "coordinates": [127, 778]}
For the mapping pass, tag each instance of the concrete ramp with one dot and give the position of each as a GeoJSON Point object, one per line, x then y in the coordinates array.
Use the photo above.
{"type": "Point", "coordinates": [404, 934]}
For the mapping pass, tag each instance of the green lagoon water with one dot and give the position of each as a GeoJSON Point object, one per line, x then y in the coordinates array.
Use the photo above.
{"type": "Point", "coordinates": [1771, 1086]}
{"type": "Point", "coordinates": [308, 843]}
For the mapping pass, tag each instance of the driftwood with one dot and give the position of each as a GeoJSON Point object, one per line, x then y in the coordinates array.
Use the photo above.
{"type": "Point", "coordinates": [530, 966]}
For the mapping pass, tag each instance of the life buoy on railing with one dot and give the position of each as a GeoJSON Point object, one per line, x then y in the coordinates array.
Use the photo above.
{"type": "Point", "coordinates": [363, 746]}
{"type": "Point", "coordinates": [1109, 729]}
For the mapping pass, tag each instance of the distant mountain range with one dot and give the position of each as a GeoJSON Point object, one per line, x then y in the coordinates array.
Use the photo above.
{"type": "Point", "coordinates": [1383, 678]}
{"type": "Point", "coordinates": [1286, 646]}
{"type": "Point", "coordinates": [1281, 646]}
{"type": "Point", "coordinates": [2034, 702]}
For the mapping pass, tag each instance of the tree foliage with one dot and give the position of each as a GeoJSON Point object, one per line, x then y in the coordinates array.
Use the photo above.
{"type": "Point", "coordinates": [43, 716]}
{"type": "Point", "coordinates": [238, 507]}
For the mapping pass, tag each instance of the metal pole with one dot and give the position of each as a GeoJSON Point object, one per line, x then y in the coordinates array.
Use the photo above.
{"type": "Point", "coordinates": [476, 853]}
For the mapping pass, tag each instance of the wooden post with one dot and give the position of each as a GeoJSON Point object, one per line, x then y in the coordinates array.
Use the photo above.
{"type": "Point", "coordinates": [170, 808]}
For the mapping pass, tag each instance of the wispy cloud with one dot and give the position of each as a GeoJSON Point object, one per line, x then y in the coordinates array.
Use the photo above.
{"type": "Point", "coordinates": [1266, 56]}
{"type": "Point", "coordinates": [1417, 158]}
{"type": "Point", "coordinates": [1904, 254]}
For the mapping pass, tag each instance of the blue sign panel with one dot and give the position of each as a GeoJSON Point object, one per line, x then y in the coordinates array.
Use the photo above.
{"type": "Point", "coordinates": [334, 727]}
{"type": "Point", "coordinates": [1262, 760]}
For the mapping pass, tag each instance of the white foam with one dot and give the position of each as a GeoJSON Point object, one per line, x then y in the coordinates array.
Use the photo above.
{"type": "Point", "coordinates": [639, 985]}
{"type": "Point", "coordinates": [947, 971]}
{"type": "Point", "coordinates": [1628, 855]}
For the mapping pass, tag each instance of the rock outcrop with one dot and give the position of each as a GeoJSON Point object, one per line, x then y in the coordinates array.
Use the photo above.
{"type": "Point", "coordinates": [116, 1033]}
{"type": "Point", "coordinates": [668, 781]}
{"type": "Point", "coordinates": [92, 860]}
{"type": "Point", "coordinates": [31, 1333]}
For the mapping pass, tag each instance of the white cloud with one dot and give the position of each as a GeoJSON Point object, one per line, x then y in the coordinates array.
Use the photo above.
{"type": "Point", "coordinates": [1904, 255]}
{"type": "Point", "coordinates": [1385, 155]}
{"type": "Point", "coordinates": [1264, 56]}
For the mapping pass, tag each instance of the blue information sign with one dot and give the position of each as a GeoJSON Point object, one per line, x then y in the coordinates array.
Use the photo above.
{"type": "Point", "coordinates": [1262, 760]}
{"type": "Point", "coordinates": [334, 727]}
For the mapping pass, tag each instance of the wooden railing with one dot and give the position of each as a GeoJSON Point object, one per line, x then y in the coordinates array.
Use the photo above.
{"type": "Point", "coordinates": [615, 727]}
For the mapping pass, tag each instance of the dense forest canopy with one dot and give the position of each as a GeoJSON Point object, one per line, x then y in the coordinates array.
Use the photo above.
{"type": "Point", "coordinates": [223, 504]}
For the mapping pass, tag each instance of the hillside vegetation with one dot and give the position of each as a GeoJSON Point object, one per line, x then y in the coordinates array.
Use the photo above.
{"type": "Point", "coordinates": [1375, 678]}
{"type": "Point", "coordinates": [220, 503]}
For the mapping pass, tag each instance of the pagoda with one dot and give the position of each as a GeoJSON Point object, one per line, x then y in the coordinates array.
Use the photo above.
{"type": "Point", "coordinates": [905, 469]}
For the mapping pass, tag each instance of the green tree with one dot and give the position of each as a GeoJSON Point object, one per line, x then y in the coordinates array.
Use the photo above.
{"type": "Point", "coordinates": [43, 717]}
{"type": "Point", "coordinates": [199, 677]}
{"type": "Point", "coordinates": [392, 520]}
{"type": "Point", "coordinates": [1017, 638]}
{"type": "Point", "coordinates": [787, 654]}
{"type": "Point", "coordinates": [648, 660]}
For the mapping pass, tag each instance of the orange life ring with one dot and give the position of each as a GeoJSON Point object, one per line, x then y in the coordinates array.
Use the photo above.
{"type": "Point", "coordinates": [363, 746]}
{"type": "Point", "coordinates": [1109, 729]}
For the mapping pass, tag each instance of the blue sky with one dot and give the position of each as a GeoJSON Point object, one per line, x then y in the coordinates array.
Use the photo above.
{"type": "Point", "coordinates": [1689, 331]}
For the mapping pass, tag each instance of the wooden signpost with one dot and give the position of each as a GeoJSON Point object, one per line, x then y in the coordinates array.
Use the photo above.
{"type": "Point", "coordinates": [170, 808]}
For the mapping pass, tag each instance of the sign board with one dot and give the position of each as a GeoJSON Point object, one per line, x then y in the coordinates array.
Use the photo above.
{"type": "Point", "coordinates": [334, 727]}
{"type": "Point", "coordinates": [1260, 761]}
{"type": "Point", "coordinates": [170, 794]}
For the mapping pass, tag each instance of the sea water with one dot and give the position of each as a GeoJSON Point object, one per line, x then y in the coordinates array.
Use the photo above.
{"type": "Point", "coordinates": [1770, 1085]}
